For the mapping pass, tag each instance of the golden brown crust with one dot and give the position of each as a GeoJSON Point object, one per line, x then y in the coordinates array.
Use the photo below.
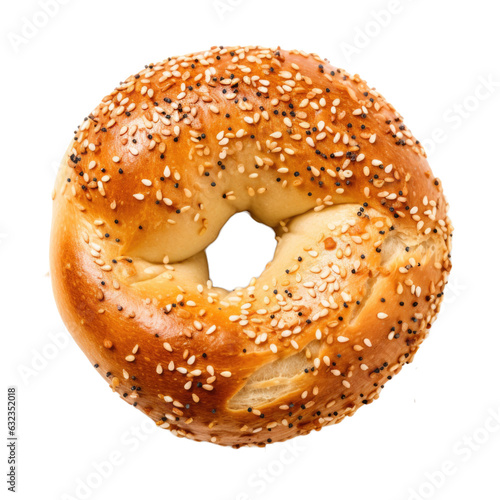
{"type": "Point", "coordinates": [362, 258]}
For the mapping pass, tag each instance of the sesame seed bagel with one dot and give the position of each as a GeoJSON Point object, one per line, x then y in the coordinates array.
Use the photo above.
{"type": "Point", "coordinates": [362, 257]}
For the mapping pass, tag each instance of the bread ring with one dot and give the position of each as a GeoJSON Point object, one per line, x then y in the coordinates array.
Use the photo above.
{"type": "Point", "coordinates": [363, 251]}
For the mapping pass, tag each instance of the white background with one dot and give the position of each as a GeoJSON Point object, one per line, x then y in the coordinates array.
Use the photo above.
{"type": "Point", "coordinates": [431, 59]}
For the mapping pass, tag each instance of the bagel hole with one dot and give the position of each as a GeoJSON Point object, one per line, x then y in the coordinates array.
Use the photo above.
{"type": "Point", "coordinates": [241, 251]}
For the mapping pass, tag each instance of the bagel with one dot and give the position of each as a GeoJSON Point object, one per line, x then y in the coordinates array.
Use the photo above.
{"type": "Point", "coordinates": [362, 256]}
